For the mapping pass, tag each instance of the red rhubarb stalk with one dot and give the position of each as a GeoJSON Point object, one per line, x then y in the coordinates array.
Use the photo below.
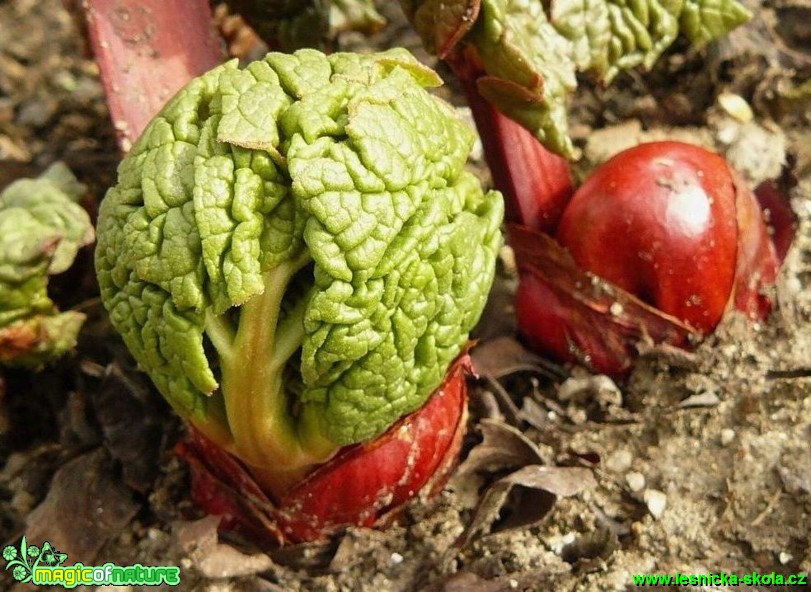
{"type": "Point", "coordinates": [535, 182]}
{"type": "Point", "coordinates": [147, 50]}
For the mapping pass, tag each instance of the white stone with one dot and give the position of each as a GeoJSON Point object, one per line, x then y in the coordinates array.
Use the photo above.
{"type": "Point", "coordinates": [656, 501]}
{"type": "Point", "coordinates": [619, 461]}
{"type": "Point", "coordinates": [635, 481]}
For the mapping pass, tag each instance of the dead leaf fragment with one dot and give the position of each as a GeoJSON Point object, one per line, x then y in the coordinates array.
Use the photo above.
{"type": "Point", "coordinates": [466, 581]}
{"type": "Point", "coordinates": [530, 492]}
{"type": "Point", "coordinates": [502, 447]}
{"type": "Point", "coordinates": [212, 559]}
{"type": "Point", "coordinates": [225, 561]}
{"type": "Point", "coordinates": [196, 534]}
{"type": "Point", "coordinates": [502, 355]}
{"type": "Point", "coordinates": [86, 505]}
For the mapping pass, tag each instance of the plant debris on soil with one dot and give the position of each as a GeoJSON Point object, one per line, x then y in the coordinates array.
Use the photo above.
{"type": "Point", "coordinates": [700, 463]}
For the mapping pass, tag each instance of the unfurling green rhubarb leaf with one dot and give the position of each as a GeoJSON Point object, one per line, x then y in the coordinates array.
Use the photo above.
{"type": "Point", "coordinates": [609, 36]}
{"type": "Point", "coordinates": [529, 68]}
{"type": "Point", "coordinates": [41, 229]}
{"type": "Point", "coordinates": [529, 50]}
{"type": "Point", "coordinates": [295, 253]}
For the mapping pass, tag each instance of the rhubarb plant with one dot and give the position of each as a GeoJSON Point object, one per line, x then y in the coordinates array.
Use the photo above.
{"type": "Point", "coordinates": [42, 228]}
{"type": "Point", "coordinates": [522, 55]}
{"type": "Point", "coordinates": [295, 254]}
{"type": "Point", "coordinates": [517, 62]}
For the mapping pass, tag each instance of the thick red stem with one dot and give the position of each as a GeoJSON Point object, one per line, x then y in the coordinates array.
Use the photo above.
{"type": "Point", "coordinates": [146, 51]}
{"type": "Point", "coordinates": [536, 183]}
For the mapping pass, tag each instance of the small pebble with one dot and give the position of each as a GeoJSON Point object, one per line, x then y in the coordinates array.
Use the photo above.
{"type": "Point", "coordinates": [396, 558]}
{"type": "Point", "coordinates": [619, 461]}
{"type": "Point", "coordinates": [636, 481]}
{"type": "Point", "coordinates": [578, 416]}
{"type": "Point", "coordinates": [656, 502]}
{"type": "Point", "coordinates": [785, 557]}
{"type": "Point", "coordinates": [793, 285]}
{"type": "Point", "coordinates": [736, 106]}
{"type": "Point", "coordinates": [557, 543]}
{"type": "Point", "coordinates": [727, 436]}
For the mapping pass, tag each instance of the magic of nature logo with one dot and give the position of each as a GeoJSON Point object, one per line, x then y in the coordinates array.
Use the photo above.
{"type": "Point", "coordinates": [44, 566]}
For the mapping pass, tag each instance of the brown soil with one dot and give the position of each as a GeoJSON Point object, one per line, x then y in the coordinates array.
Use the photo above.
{"type": "Point", "coordinates": [701, 463]}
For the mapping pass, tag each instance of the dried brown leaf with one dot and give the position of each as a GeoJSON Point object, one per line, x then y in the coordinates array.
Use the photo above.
{"type": "Point", "coordinates": [497, 356]}
{"type": "Point", "coordinates": [86, 505]}
{"type": "Point", "coordinates": [225, 561]}
{"type": "Point", "coordinates": [465, 581]}
{"type": "Point", "coordinates": [196, 534]}
{"type": "Point", "coordinates": [503, 447]}
{"type": "Point", "coordinates": [215, 560]}
{"type": "Point", "coordinates": [528, 494]}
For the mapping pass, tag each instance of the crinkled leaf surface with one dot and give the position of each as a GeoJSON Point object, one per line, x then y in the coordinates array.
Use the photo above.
{"type": "Point", "coordinates": [344, 160]}
{"type": "Point", "coordinates": [618, 34]}
{"type": "Point", "coordinates": [529, 67]}
{"type": "Point", "coordinates": [35, 339]}
{"type": "Point", "coordinates": [41, 229]}
{"type": "Point", "coordinates": [530, 49]}
{"type": "Point", "coordinates": [51, 200]}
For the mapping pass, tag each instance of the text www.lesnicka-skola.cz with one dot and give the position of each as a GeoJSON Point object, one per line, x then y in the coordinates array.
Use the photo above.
{"type": "Point", "coordinates": [720, 579]}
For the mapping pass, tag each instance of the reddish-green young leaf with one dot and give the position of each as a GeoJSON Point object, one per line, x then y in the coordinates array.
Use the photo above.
{"type": "Point", "coordinates": [529, 50]}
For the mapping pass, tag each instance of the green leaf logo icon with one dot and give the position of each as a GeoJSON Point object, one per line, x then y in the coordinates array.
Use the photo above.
{"type": "Point", "coordinates": [21, 569]}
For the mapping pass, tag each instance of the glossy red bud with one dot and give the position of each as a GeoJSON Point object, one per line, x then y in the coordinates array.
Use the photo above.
{"type": "Point", "coordinates": [673, 224]}
{"type": "Point", "coordinates": [666, 225]}
{"type": "Point", "coordinates": [363, 485]}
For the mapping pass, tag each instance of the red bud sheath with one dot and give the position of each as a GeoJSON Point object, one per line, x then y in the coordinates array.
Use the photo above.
{"type": "Point", "coordinates": [364, 485]}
